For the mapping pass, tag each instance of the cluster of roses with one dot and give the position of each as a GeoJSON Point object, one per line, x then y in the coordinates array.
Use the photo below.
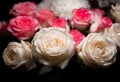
{"type": "Point", "coordinates": [55, 40]}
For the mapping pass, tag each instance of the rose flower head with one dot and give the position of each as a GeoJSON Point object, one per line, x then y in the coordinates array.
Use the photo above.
{"type": "Point", "coordinates": [23, 8]}
{"type": "Point", "coordinates": [101, 24]}
{"type": "Point", "coordinates": [23, 27]}
{"type": "Point", "coordinates": [81, 18]}
{"type": "Point", "coordinates": [113, 34]}
{"type": "Point", "coordinates": [60, 23]}
{"type": "Point", "coordinates": [97, 13]}
{"type": "Point", "coordinates": [53, 47]}
{"type": "Point", "coordinates": [19, 55]}
{"type": "Point", "coordinates": [45, 17]}
{"type": "Point", "coordinates": [96, 51]}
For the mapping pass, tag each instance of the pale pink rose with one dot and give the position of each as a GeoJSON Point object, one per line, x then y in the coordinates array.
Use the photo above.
{"type": "Point", "coordinates": [77, 35]}
{"type": "Point", "coordinates": [101, 24]}
{"type": "Point", "coordinates": [23, 27]}
{"type": "Point", "coordinates": [61, 23]}
{"type": "Point", "coordinates": [45, 17]}
{"type": "Point", "coordinates": [97, 13]}
{"type": "Point", "coordinates": [23, 8]}
{"type": "Point", "coordinates": [81, 18]}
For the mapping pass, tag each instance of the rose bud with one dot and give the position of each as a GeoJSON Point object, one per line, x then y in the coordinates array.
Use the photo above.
{"type": "Point", "coordinates": [77, 35]}
{"type": "Point", "coordinates": [23, 27]}
{"type": "Point", "coordinates": [96, 51]}
{"type": "Point", "coordinates": [23, 8]}
{"type": "Point", "coordinates": [63, 8]}
{"type": "Point", "coordinates": [81, 18]}
{"type": "Point", "coordinates": [61, 23]}
{"type": "Point", "coordinates": [101, 24]}
{"type": "Point", "coordinates": [53, 47]}
{"type": "Point", "coordinates": [19, 55]}
{"type": "Point", "coordinates": [45, 17]}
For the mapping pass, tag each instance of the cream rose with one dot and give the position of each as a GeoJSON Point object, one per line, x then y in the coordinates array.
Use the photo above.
{"type": "Point", "coordinates": [113, 33]}
{"type": "Point", "coordinates": [96, 51]}
{"type": "Point", "coordinates": [53, 47]}
{"type": "Point", "coordinates": [19, 55]}
{"type": "Point", "coordinates": [115, 12]}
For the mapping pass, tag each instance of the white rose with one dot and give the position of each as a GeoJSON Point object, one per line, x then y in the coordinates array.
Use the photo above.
{"type": "Point", "coordinates": [19, 55]}
{"type": "Point", "coordinates": [53, 47]}
{"type": "Point", "coordinates": [115, 12]}
{"type": "Point", "coordinates": [113, 33]}
{"type": "Point", "coordinates": [96, 51]}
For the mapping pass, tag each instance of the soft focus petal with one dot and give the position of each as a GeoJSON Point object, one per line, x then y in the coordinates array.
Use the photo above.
{"type": "Point", "coordinates": [23, 8]}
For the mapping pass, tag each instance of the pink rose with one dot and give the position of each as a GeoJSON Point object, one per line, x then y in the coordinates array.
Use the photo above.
{"type": "Point", "coordinates": [77, 35]}
{"type": "Point", "coordinates": [23, 27]}
{"type": "Point", "coordinates": [23, 8]}
{"type": "Point", "coordinates": [101, 24]}
{"type": "Point", "coordinates": [97, 13]}
{"type": "Point", "coordinates": [45, 17]}
{"type": "Point", "coordinates": [3, 28]}
{"type": "Point", "coordinates": [81, 18]}
{"type": "Point", "coordinates": [61, 23]}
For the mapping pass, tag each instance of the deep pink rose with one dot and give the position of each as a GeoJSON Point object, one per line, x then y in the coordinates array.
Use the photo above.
{"type": "Point", "coordinates": [77, 35]}
{"type": "Point", "coordinates": [23, 8]}
{"type": "Point", "coordinates": [101, 24]}
{"type": "Point", "coordinates": [81, 18]}
{"type": "Point", "coordinates": [23, 27]}
{"type": "Point", "coordinates": [59, 22]}
{"type": "Point", "coordinates": [45, 17]}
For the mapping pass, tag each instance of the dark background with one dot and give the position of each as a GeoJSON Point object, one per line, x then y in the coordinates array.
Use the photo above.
{"type": "Point", "coordinates": [73, 72]}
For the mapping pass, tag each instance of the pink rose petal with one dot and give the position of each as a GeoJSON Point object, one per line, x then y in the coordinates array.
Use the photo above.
{"type": "Point", "coordinates": [59, 22]}
{"type": "Point", "coordinates": [45, 17]}
{"type": "Point", "coordinates": [97, 13]}
{"type": "Point", "coordinates": [101, 24]}
{"type": "Point", "coordinates": [77, 35]}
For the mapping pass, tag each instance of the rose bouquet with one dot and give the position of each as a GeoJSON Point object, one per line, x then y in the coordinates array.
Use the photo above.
{"type": "Point", "coordinates": [52, 33]}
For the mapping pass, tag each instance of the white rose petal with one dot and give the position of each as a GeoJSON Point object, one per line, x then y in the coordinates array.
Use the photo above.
{"type": "Point", "coordinates": [113, 33]}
